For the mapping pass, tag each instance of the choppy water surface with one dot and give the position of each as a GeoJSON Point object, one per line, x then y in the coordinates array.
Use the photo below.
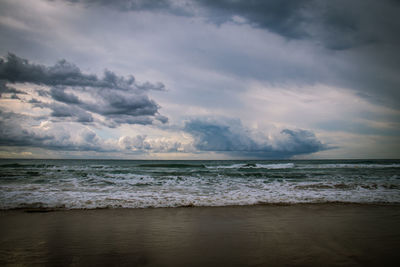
{"type": "Point", "coordinates": [91, 184]}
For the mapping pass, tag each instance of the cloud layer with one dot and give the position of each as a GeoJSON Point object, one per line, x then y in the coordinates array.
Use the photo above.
{"type": "Point", "coordinates": [244, 77]}
{"type": "Point", "coordinates": [223, 135]}
{"type": "Point", "coordinates": [18, 130]}
{"type": "Point", "coordinates": [230, 136]}
{"type": "Point", "coordinates": [77, 96]}
{"type": "Point", "coordinates": [339, 24]}
{"type": "Point", "coordinates": [358, 39]}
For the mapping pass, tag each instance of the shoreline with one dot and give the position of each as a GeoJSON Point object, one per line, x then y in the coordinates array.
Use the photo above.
{"type": "Point", "coordinates": [278, 204]}
{"type": "Point", "coordinates": [258, 235]}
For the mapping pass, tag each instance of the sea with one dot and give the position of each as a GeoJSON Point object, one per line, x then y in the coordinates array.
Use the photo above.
{"type": "Point", "coordinates": [95, 184]}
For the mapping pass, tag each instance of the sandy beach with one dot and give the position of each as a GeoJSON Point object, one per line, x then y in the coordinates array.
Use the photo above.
{"type": "Point", "coordinates": [265, 235]}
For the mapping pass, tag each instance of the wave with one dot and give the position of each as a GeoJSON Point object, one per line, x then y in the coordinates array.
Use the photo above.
{"type": "Point", "coordinates": [348, 166]}
{"type": "Point", "coordinates": [258, 165]}
{"type": "Point", "coordinates": [276, 166]}
{"type": "Point", "coordinates": [19, 165]}
{"type": "Point", "coordinates": [149, 192]}
{"type": "Point", "coordinates": [171, 165]}
{"type": "Point", "coordinates": [304, 166]}
{"type": "Point", "coordinates": [254, 166]}
{"type": "Point", "coordinates": [45, 207]}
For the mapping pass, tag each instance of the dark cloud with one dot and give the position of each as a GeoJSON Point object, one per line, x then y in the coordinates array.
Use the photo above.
{"type": "Point", "coordinates": [60, 95]}
{"type": "Point", "coordinates": [232, 137]}
{"type": "Point", "coordinates": [14, 69]}
{"type": "Point", "coordinates": [4, 89]}
{"type": "Point", "coordinates": [342, 25]}
{"type": "Point", "coordinates": [12, 132]}
{"type": "Point", "coordinates": [117, 106]}
{"type": "Point", "coordinates": [361, 35]}
{"type": "Point", "coordinates": [282, 17]}
{"type": "Point", "coordinates": [116, 103]}
{"type": "Point", "coordinates": [119, 99]}
{"type": "Point", "coordinates": [211, 136]}
{"type": "Point", "coordinates": [299, 142]}
{"type": "Point", "coordinates": [337, 24]}
{"type": "Point", "coordinates": [65, 111]}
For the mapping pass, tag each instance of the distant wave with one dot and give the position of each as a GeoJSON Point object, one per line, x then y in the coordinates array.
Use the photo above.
{"type": "Point", "coordinates": [20, 165]}
{"type": "Point", "coordinates": [303, 166]}
{"type": "Point", "coordinates": [254, 166]}
{"type": "Point", "coordinates": [349, 165]}
{"type": "Point", "coordinates": [171, 165]}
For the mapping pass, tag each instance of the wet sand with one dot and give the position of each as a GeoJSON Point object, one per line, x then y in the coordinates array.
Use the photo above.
{"type": "Point", "coordinates": [297, 235]}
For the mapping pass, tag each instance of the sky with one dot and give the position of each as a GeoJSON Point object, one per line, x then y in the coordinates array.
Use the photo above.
{"type": "Point", "coordinates": [200, 79]}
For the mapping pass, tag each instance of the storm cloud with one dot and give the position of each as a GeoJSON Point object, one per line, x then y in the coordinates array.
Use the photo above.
{"type": "Point", "coordinates": [283, 17]}
{"type": "Point", "coordinates": [298, 74]}
{"type": "Point", "coordinates": [16, 69]}
{"type": "Point", "coordinates": [230, 136]}
{"type": "Point", "coordinates": [358, 39]}
{"type": "Point", "coordinates": [338, 24]}
{"type": "Point", "coordinates": [119, 99]}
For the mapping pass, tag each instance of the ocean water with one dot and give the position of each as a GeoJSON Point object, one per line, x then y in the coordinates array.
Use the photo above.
{"type": "Point", "coordinates": [91, 184]}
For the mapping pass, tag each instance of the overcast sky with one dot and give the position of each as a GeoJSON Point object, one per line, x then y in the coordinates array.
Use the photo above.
{"type": "Point", "coordinates": [199, 79]}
